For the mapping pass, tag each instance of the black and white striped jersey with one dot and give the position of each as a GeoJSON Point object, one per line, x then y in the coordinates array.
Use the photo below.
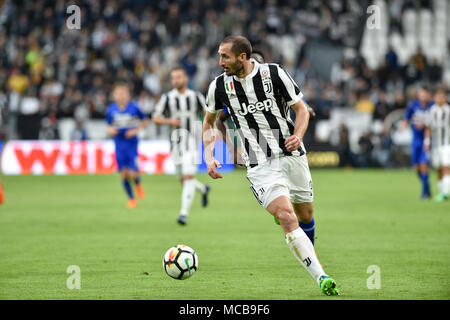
{"type": "Point", "coordinates": [438, 119]}
{"type": "Point", "coordinates": [188, 106]}
{"type": "Point", "coordinates": [259, 105]}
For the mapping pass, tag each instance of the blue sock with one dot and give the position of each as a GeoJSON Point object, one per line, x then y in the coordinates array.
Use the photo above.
{"type": "Point", "coordinates": [425, 184]}
{"type": "Point", "coordinates": [127, 186]}
{"type": "Point", "coordinates": [308, 228]}
{"type": "Point", "coordinates": [137, 180]}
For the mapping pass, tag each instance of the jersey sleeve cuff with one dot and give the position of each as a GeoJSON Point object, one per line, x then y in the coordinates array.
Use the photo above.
{"type": "Point", "coordinates": [296, 99]}
{"type": "Point", "coordinates": [211, 110]}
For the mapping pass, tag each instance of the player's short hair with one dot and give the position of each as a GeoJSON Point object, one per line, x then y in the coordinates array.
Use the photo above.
{"type": "Point", "coordinates": [424, 86]}
{"type": "Point", "coordinates": [440, 89]}
{"type": "Point", "coordinates": [239, 44]}
{"type": "Point", "coordinates": [120, 84]}
{"type": "Point", "coordinates": [177, 68]}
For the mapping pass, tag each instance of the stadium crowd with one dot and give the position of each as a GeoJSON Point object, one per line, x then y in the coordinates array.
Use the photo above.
{"type": "Point", "coordinates": [49, 72]}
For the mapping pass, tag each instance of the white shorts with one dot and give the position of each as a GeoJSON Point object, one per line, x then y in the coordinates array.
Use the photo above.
{"type": "Point", "coordinates": [285, 176]}
{"type": "Point", "coordinates": [440, 156]}
{"type": "Point", "coordinates": [185, 164]}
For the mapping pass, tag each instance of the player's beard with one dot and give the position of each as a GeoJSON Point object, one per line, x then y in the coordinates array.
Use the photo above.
{"type": "Point", "coordinates": [235, 69]}
{"type": "Point", "coordinates": [181, 87]}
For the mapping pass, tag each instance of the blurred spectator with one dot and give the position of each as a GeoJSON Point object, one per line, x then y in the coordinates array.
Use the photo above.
{"type": "Point", "coordinates": [383, 107]}
{"type": "Point", "coordinates": [434, 71]}
{"type": "Point", "coordinates": [18, 82]}
{"type": "Point", "coordinates": [364, 104]}
{"type": "Point", "coordinates": [173, 23]}
{"type": "Point", "coordinates": [399, 100]}
{"type": "Point", "coordinates": [364, 156]}
{"type": "Point", "coordinates": [346, 156]}
{"type": "Point", "coordinates": [392, 59]}
{"type": "Point", "coordinates": [28, 121]}
{"type": "Point", "coordinates": [79, 133]}
{"type": "Point", "coordinates": [381, 153]}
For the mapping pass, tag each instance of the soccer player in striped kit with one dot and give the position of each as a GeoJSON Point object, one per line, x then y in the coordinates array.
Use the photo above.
{"type": "Point", "coordinates": [437, 138]}
{"type": "Point", "coordinates": [182, 108]}
{"type": "Point", "coordinates": [259, 98]}
{"type": "Point", "coordinates": [307, 226]}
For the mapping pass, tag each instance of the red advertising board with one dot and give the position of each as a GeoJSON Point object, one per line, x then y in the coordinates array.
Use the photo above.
{"type": "Point", "coordinates": [89, 157]}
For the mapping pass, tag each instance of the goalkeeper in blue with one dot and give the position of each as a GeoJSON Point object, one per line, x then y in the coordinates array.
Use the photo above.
{"type": "Point", "coordinates": [125, 120]}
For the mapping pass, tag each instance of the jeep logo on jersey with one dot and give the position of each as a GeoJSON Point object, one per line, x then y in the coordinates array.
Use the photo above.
{"type": "Point", "coordinates": [259, 106]}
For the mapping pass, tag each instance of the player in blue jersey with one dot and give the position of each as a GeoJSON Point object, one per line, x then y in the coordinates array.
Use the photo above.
{"type": "Point", "coordinates": [125, 120]}
{"type": "Point", "coordinates": [415, 115]}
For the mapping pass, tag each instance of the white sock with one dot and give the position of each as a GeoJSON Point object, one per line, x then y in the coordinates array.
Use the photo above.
{"type": "Point", "coordinates": [439, 184]}
{"type": "Point", "coordinates": [445, 184]}
{"type": "Point", "coordinates": [187, 196]}
{"type": "Point", "coordinates": [199, 186]}
{"type": "Point", "coordinates": [303, 250]}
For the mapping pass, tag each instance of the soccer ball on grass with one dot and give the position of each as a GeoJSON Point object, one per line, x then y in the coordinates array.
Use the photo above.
{"type": "Point", "coordinates": [180, 262]}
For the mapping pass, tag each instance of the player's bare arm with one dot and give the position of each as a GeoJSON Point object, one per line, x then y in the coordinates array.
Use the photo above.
{"type": "Point", "coordinates": [312, 113]}
{"type": "Point", "coordinates": [403, 124]}
{"type": "Point", "coordinates": [133, 132]}
{"type": "Point", "coordinates": [209, 138]}
{"type": "Point", "coordinates": [111, 131]}
{"type": "Point", "coordinates": [427, 140]}
{"type": "Point", "coordinates": [174, 122]}
{"type": "Point", "coordinates": [301, 124]}
{"type": "Point", "coordinates": [221, 126]}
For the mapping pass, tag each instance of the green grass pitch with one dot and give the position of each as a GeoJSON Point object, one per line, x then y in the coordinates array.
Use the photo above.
{"type": "Point", "coordinates": [363, 218]}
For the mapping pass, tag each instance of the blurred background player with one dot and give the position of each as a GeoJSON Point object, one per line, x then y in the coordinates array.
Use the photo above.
{"type": "Point", "coordinates": [437, 137]}
{"type": "Point", "coordinates": [2, 193]}
{"type": "Point", "coordinates": [181, 108]}
{"type": "Point", "coordinates": [221, 123]}
{"type": "Point", "coordinates": [416, 114]}
{"type": "Point", "coordinates": [125, 120]}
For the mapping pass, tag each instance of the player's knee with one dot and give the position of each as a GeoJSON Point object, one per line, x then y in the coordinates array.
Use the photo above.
{"type": "Point", "coordinates": [285, 216]}
{"type": "Point", "coordinates": [132, 174]}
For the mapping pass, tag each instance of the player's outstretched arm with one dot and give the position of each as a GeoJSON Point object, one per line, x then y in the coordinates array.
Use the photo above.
{"type": "Point", "coordinates": [209, 138]}
{"type": "Point", "coordinates": [301, 124]}
{"type": "Point", "coordinates": [133, 132]}
{"type": "Point", "coordinates": [174, 122]}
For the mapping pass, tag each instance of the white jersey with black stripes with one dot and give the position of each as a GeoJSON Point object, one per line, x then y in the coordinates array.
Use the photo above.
{"type": "Point", "coordinates": [188, 107]}
{"type": "Point", "coordinates": [259, 105]}
{"type": "Point", "coordinates": [438, 119]}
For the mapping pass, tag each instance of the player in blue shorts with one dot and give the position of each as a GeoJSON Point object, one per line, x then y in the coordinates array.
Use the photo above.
{"type": "Point", "coordinates": [416, 115]}
{"type": "Point", "coordinates": [125, 120]}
